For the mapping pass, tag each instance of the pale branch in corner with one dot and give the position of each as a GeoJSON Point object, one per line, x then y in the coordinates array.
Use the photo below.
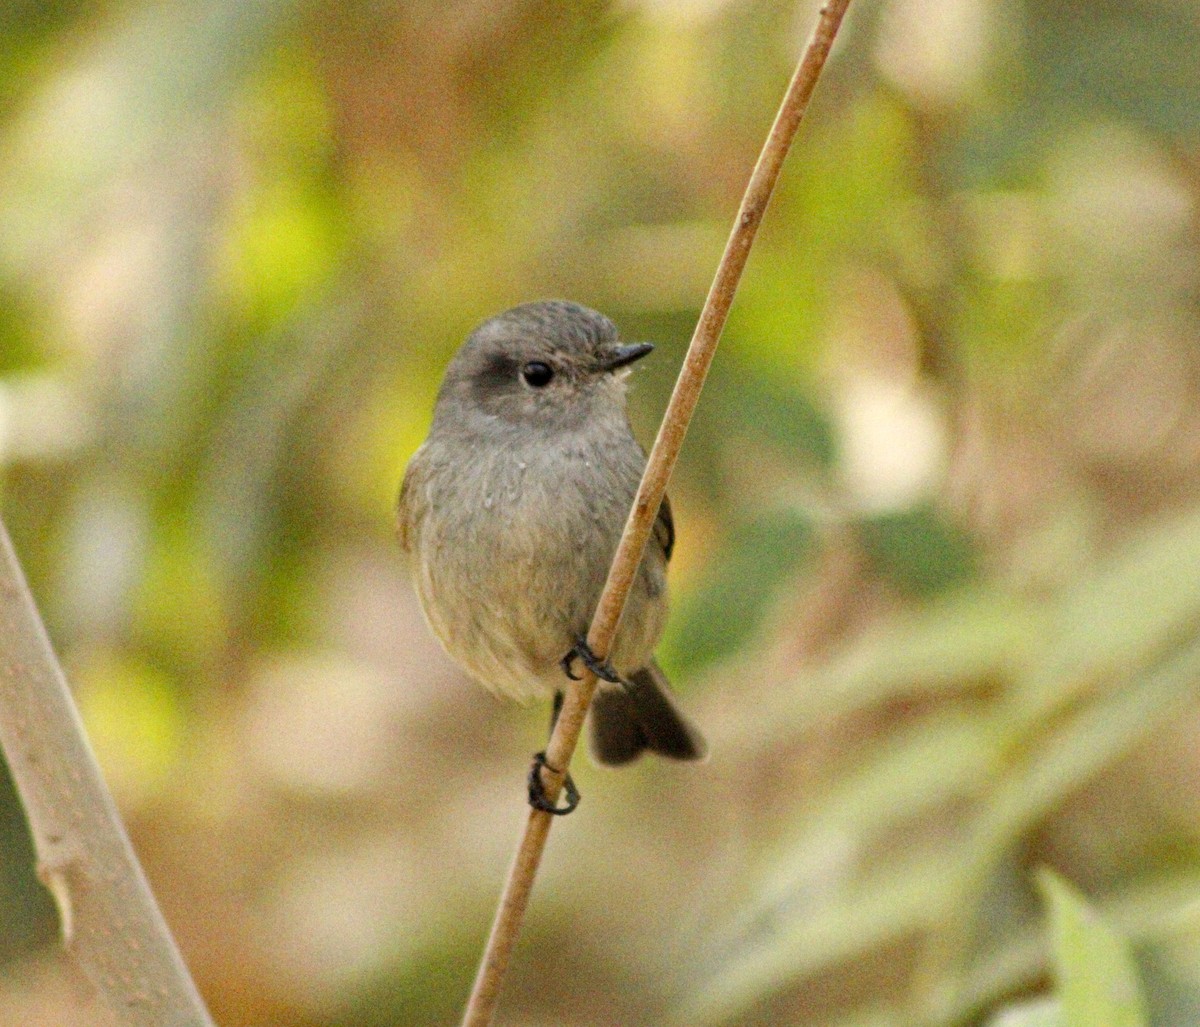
{"type": "Point", "coordinates": [110, 922]}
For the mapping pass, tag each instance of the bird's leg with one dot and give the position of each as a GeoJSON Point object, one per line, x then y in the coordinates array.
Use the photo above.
{"type": "Point", "coordinates": [583, 653]}
{"type": "Point", "coordinates": [537, 791]}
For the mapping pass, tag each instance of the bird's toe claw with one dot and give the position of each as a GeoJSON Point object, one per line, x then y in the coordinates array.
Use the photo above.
{"type": "Point", "coordinates": [583, 653]}
{"type": "Point", "coordinates": [537, 791]}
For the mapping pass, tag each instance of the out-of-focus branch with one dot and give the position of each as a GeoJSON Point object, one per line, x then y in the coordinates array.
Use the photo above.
{"type": "Point", "coordinates": [494, 965]}
{"type": "Point", "coordinates": [110, 922]}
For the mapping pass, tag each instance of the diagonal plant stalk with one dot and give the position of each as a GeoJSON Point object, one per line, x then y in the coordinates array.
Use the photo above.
{"type": "Point", "coordinates": [514, 900]}
{"type": "Point", "coordinates": [110, 922]}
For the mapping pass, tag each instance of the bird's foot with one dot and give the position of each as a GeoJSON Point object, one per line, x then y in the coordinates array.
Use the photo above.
{"type": "Point", "coordinates": [537, 791]}
{"type": "Point", "coordinates": [583, 653]}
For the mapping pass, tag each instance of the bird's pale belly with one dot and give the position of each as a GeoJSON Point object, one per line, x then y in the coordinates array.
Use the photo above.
{"type": "Point", "coordinates": [510, 628]}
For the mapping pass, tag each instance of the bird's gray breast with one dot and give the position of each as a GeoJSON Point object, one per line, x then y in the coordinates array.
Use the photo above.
{"type": "Point", "coordinates": [517, 548]}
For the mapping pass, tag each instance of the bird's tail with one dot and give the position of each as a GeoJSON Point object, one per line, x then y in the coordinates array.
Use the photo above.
{"type": "Point", "coordinates": [639, 715]}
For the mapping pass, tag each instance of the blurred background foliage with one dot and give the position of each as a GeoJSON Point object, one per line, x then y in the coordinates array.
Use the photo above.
{"type": "Point", "coordinates": [937, 591]}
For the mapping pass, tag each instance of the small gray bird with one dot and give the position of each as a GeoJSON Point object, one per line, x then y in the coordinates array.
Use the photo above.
{"type": "Point", "coordinates": [512, 510]}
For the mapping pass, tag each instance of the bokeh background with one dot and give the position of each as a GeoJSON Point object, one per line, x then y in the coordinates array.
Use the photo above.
{"type": "Point", "coordinates": [937, 586]}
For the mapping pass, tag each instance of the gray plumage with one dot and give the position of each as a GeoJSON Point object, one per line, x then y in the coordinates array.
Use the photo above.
{"type": "Point", "coordinates": [512, 510]}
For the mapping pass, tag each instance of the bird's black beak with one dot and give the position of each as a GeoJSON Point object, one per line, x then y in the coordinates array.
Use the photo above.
{"type": "Point", "coordinates": [624, 355]}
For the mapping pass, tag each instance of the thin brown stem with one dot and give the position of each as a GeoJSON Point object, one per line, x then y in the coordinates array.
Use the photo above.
{"type": "Point", "coordinates": [513, 902]}
{"type": "Point", "coordinates": [110, 922]}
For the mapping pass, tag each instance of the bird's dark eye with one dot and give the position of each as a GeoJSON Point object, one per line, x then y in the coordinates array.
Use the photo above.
{"type": "Point", "coordinates": [537, 374]}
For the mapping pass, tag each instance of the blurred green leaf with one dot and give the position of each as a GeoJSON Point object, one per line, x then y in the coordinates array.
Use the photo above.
{"type": "Point", "coordinates": [1139, 603]}
{"type": "Point", "coordinates": [786, 419]}
{"type": "Point", "coordinates": [919, 550]}
{"type": "Point", "coordinates": [1096, 975]}
{"type": "Point", "coordinates": [964, 641]}
{"type": "Point", "coordinates": [1070, 752]}
{"type": "Point", "coordinates": [728, 607]}
{"type": "Point", "coordinates": [947, 756]}
{"type": "Point", "coordinates": [1016, 963]}
{"type": "Point", "coordinates": [781, 946]}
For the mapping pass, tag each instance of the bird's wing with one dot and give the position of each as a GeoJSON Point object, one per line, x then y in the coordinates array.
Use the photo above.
{"type": "Point", "coordinates": [404, 504]}
{"type": "Point", "coordinates": [664, 528]}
